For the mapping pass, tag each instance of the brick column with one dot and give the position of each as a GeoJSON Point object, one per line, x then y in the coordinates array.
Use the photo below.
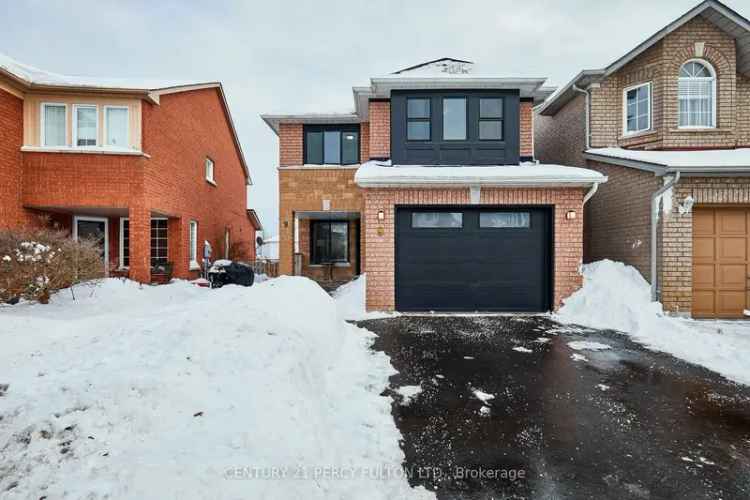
{"type": "Point", "coordinates": [177, 247]}
{"type": "Point", "coordinates": [140, 244]}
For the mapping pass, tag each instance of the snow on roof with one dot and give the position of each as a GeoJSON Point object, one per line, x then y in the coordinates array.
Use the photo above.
{"type": "Point", "coordinates": [383, 174]}
{"type": "Point", "coordinates": [680, 160]}
{"type": "Point", "coordinates": [31, 75]}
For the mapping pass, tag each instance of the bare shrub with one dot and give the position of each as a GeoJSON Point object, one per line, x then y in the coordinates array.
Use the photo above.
{"type": "Point", "coordinates": [36, 262]}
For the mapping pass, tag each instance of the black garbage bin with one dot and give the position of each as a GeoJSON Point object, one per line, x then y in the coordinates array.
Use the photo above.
{"type": "Point", "coordinates": [233, 273]}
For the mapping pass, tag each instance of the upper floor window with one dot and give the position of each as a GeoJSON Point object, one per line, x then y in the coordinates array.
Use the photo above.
{"type": "Point", "coordinates": [490, 119]}
{"type": "Point", "coordinates": [54, 124]}
{"type": "Point", "coordinates": [418, 115]}
{"type": "Point", "coordinates": [331, 145]}
{"type": "Point", "coordinates": [697, 95]}
{"type": "Point", "coordinates": [454, 118]}
{"type": "Point", "coordinates": [637, 108]}
{"type": "Point", "coordinates": [85, 121]}
{"type": "Point", "coordinates": [209, 166]}
{"type": "Point", "coordinates": [116, 124]}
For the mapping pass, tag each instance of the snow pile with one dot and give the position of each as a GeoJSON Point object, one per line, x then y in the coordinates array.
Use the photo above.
{"type": "Point", "coordinates": [615, 296]}
{"type": "Point", "coordinates": [180, 391]}
{"type": "Point", "coordinates": [350, 301]}
{"type": "Point", "coordinates": [585, 345]}
{"type": "Point", "coordinates": [408, 393]}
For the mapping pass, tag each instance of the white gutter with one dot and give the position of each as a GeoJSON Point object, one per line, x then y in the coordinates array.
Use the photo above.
{"type": "Point", "coordinates": [591, 192]}
{"type": "Point", "coordinates": [654, 223]}
{"type": "Point", "coordinates": [588, 113]}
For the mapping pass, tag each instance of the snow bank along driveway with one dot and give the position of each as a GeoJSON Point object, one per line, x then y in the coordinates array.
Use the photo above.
{"type": "Point", "coordinates": [184, 392]}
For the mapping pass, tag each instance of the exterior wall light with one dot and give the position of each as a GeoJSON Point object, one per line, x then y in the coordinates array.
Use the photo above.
{"type": "Point", "coordinates": [381, 215]}
{"type": "Point", "coordinates": [570, 215]}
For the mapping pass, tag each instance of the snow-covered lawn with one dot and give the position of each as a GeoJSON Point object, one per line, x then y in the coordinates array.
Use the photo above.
{"type": "Point", "coordinates": [615, 296]}
{"type": "Point", "coordinates": [179, 391]}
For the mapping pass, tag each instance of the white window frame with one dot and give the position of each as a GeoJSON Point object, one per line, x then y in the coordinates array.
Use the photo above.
{"type": "Point", "coordinates": [84, 218]}
{"type": "Point", "coordinates": [193, 245]}
{"type": "Point", "coordinates": [122, 242]}
{"type": "Point", "coordinates": [76, 107]}
{"type": "Point", "coordinates": [127, 127]}
{"type": "Point", "coordinates": [625, 131]}
{"type": "Point", "coordinates": [715, 95]}
{"type": "Point", "coordinates": [42, 138]}
{"type": "Point", "coordinates": [210, 178]}
{"type": "Point", "coordinates": [226, 243]}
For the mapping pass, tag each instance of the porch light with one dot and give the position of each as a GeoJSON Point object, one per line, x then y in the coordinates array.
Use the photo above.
{"type": "Point", "coordinates": [381, 215]}
{"type": "Point", "coordinates": [570, 215]}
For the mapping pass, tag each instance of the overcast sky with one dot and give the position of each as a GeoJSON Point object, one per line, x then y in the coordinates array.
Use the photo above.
{"type": "Point", "coordinates": [304, 56]}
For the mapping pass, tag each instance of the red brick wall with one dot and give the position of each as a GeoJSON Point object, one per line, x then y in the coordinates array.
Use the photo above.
{"type": "Point", "coordinates": [179, 134]}
{"type": "Point", "coordinates": [379, 248]}
{"type": "Point", "coordinates": [11, 174]}
{"type": "Point", "coordinates": [290, 144]}
{"type": "Point", "coordinates": [380, 129]}
{"type": "Point", "coordinates": [526, 126]}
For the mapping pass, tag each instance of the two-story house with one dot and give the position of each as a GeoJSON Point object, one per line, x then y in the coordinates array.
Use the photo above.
{"type": "Point", "coordinates": [669, 124]}
{"type": "Point", "coordinates": [431, 188]}
{"type": "Point", "coordinates": [149, 169]}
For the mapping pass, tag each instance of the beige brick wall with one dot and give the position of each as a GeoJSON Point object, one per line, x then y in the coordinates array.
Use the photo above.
{"type": "Point", "coordinates": [676, 248]}
{"type": "Point", "coordinates": [561, 138]}
{"type": "Point", "coordinates": [617, 222]}
{"type": "Point", "coordinates": [304, 189]}
{"type": "Point", "coordinates": [660, 65]}
{"type": "Point", "coordinates": [380, 235]}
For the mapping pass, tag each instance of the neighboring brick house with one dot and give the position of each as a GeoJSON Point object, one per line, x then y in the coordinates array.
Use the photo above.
{"type": "Point", "coordinates": [669, 124]}
{"type": "Point", "coordinates": [431, 188]}
{"type": "Point", "coordinates": [151, 170]}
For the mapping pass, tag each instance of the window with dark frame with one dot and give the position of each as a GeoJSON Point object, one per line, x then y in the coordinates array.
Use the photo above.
{"type": "Point", "coordinates": [327, 145]}
{"type": "Point", "coordinates": [125, 243]}
{"type": "Point", "coordinates": [418, 115]}
{"type": "Point", "coordinates": [490, 119]}
{"type": "Point", "coordinates": [329, 242]}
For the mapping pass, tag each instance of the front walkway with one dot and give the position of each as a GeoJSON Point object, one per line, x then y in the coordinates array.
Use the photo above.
{"type": "Point", "coordinates": [505, 396]}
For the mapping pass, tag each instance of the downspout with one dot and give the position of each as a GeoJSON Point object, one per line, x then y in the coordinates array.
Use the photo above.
{"type": "Point", "coordinates": [590, 193]}
{"type": "Point", "coordinates": [654, 222]}
{"type": "Point", "coordinates": [588, 113]}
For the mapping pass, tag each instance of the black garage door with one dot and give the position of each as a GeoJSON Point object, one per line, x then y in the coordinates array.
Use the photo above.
{"type": "Point", "coordinates": [473, 259]}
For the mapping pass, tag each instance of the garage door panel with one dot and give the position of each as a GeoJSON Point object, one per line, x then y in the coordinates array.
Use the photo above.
{"type": "Point", "coordinates": [703, 222]}
{"type": "Point", "coordinates": [732, 221]}
{"type": "Point", "coordinates": [732, 276]}
{"type": "Point", "coordinates": [732, 248]}
{"type": "Point", "coordinates": [473, 268]}
{"type": "Point", "coordinates": [704, 248]}
{"type": "Point", "coordinates": [703, 302]}
{"type": "Point", "coordinates": [721, 261]}
{"type": "Point", "coordinates": [704, 275]}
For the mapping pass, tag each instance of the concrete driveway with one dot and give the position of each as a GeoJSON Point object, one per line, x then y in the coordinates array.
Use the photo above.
{"type": "Point", "coordinates": [504, 413]}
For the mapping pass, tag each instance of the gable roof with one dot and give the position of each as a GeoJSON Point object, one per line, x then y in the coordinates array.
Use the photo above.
{"type": "Point", "coordinates": [713, 11]}
{"type": "Point", "coordinates": [28, 77]}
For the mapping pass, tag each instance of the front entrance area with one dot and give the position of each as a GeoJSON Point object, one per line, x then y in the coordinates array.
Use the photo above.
{"type": "Point", "coordinates": [474, 259]}
{"type": "Point", "coordinates": [721, 262]}
{"type": "Point", "coordinates": [95, 229]}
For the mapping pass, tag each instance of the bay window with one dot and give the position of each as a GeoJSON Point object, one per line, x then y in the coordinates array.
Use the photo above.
{"type": "Point", "coordinates": [54, 124]}
{"type": "Point", "coordinates": [85, 121]}
{"type": "Point", "coordinates": [116, 124]}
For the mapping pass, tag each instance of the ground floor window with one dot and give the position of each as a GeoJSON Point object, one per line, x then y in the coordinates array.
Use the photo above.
{"type": "Point", "coordinates": [193, 240]}
{"type": "Point", "coordinates": [329, 242]}
{"type": "Point", "coordinates": [159, 242]}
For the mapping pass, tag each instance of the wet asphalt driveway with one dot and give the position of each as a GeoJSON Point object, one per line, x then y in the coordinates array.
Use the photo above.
{"type": "Point", "coordinates": [622, 422]}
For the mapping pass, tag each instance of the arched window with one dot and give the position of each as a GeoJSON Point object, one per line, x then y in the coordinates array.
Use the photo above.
{"type": "Point", "coordinates": [697, 95]}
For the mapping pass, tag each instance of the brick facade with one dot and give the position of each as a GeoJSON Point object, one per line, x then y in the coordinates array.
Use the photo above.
{"type": "Point", "coordinates": [167, 180]}
{"type": "Point", "coordinates": [526, 129]}
{"type": "Point", "coordinates": [303, 190]}
{"type": "Point", "coordinates": [380, 235]}
{"type": "Point", "coordinates": [617, 219]}
{"type": "Point", "coordinates": [380, 129]}
{"type": "Point", "coordinates": [11, 171]}
{"type": "Point", "coordinates": [676, 233]}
